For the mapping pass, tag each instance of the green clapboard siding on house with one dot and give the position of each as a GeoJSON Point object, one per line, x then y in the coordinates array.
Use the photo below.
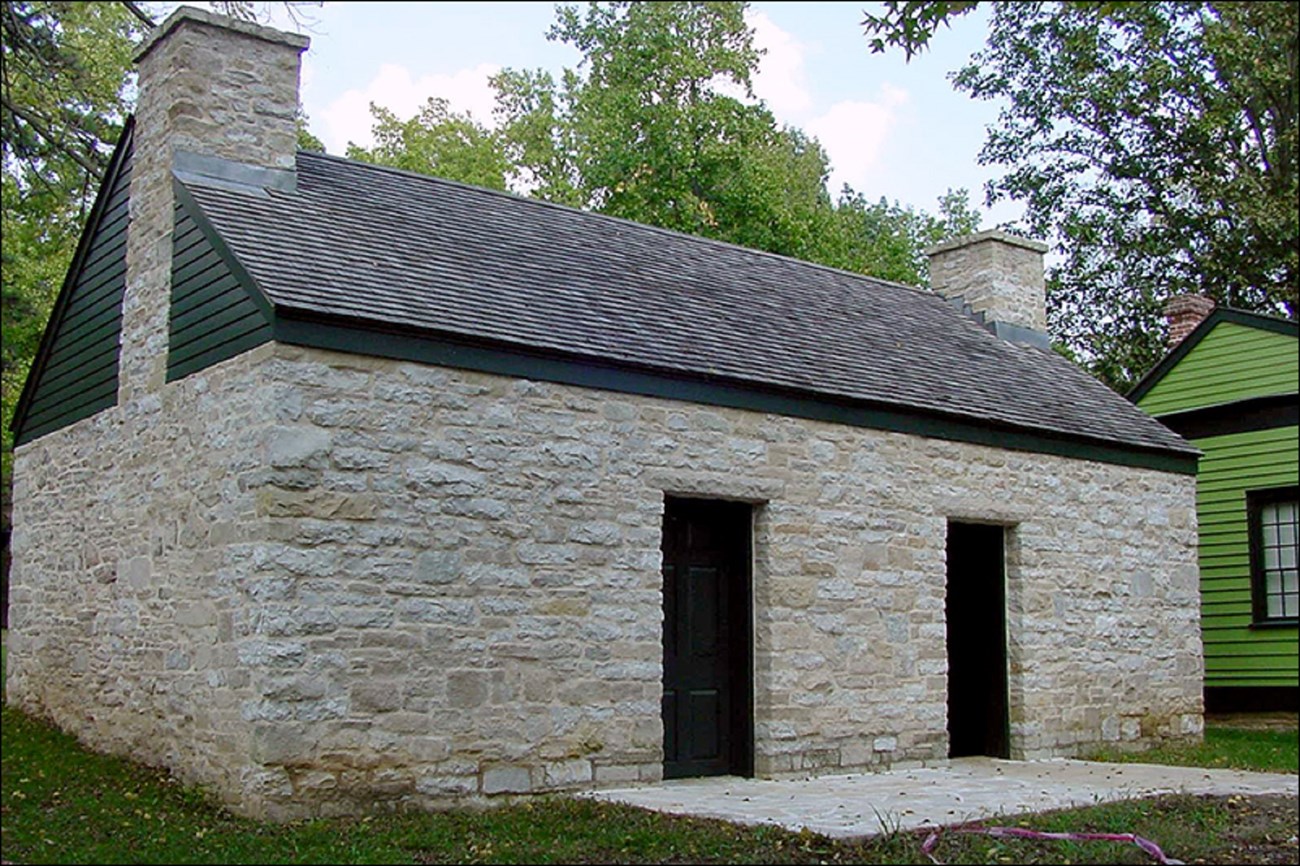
{"type": "Point", "coordinates": [213, 316]}
{"type": "Point", "coordinates": [1234, 358]}
{"type": "Point", "coordinates": [77, 367]}
{"type": "Point", "coordinates": [1235, 653]}
{"type": "Point", "coordinates": [1232, 362]}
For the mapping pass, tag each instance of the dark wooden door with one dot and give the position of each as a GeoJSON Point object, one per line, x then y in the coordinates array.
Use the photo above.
{"type": "Point", "coordinates": [706, 702]}
{"type": "Point", "coordinates": [977, 644]}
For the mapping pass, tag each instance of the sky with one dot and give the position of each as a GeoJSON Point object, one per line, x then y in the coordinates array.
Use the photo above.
{"type": "Point", "coordinates": [892, 128]}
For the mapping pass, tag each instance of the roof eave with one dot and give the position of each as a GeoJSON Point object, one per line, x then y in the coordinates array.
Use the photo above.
{"type": "Point", "coordinates": [316, 329]}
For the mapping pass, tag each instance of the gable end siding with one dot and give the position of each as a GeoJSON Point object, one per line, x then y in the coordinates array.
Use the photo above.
{"type": "Point", "coordinates": [78, 375]}
{"type": "Point", "coordinates": [213, 315]}
{"type": "Point", "coordinates": [1232, 362]}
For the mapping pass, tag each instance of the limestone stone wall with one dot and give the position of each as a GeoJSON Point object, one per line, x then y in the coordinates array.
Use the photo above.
{"type": "Point", "coordinates": [135, 532]}
{"type": "Point", "coordinates": [326, 583]}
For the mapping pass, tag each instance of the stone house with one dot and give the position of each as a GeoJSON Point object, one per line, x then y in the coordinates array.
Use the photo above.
{"type": "Point", "coordinates": [340, 488]}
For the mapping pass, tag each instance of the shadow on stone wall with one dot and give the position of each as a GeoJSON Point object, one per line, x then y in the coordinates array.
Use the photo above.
{"type": "Point", "coordinates": [6, 521]}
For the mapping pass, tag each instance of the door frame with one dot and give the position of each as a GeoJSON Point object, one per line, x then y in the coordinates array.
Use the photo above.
{"type": "Point", "coordinates": [1004, 588]}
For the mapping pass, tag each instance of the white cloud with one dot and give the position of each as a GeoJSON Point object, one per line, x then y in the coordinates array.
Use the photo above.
{"type": "Point", "coordinates": [780, 80]}
{"type": "Point", "coordinates": [348, 117]}
{"type": "Point", "coordinates": [854, 134]}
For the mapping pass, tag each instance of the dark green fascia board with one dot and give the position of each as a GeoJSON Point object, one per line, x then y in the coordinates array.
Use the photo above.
{"type": "Point", "coordinates": [34, 374]}
{"type": "Point", "coordinates": [1287, 327]}
{"type": "Point", "coordinates": [1249, 415]}
{"type": "Point", "coordinates": [355, 336]}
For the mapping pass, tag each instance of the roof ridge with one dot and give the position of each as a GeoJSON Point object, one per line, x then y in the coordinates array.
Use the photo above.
{"type": "Point", "coordinates": [1268, 317]}
{"type": "Point", "coordinates": [623, 220]}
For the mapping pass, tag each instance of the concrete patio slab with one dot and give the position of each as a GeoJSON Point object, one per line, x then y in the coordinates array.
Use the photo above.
{"type": "Point", "coordinates": [966, 790]}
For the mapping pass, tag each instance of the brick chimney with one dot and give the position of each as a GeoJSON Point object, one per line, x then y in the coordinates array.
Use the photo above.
{"type": "Point", "coordinates": [999, 275]}
{"type": "Point", "coordinates": [211, 88]}
{"type": "Point", "coordinates": [1184, 313]}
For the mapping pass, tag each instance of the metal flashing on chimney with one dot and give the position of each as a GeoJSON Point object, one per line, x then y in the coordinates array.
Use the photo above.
{"type": "Point", "coordinates": [230, 175]}
{"type": "Point", "coordinates": [1004, 330]}
{"type": "Point", "coordinates": [1017, 334]}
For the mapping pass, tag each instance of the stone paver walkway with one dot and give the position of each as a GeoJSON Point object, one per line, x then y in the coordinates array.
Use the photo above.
{"type": "Point", "coordinates": [967, 790]}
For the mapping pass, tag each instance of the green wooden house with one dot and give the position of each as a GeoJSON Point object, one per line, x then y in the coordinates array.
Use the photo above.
{"type": "Point", "coordinates": [1230, 387]}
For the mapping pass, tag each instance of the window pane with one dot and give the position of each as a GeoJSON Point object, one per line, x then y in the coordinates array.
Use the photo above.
{"type": "Point", "coordinates": [1272, 583]}
{"type": "Point", "coordinates": [1270, 534]}
{"type": "Point", "coordinates": [1277, 548]}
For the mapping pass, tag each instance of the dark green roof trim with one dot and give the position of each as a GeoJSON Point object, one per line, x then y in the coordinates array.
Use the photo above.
{"type": "Point", "coordinates": [1239, 416]}
{"type": "Point", "coordinates": [362, 337]}
{"type": "Point", "coordinates": [191, 208]}
{"type": "Point", "coordinates": [216, 310]}
{"type": "Point", "coordinates": [18, 424]}
{"type": "Point", "coordinates": [1287, 327]}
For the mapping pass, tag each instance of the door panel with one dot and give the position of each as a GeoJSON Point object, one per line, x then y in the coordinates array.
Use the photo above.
{"type": "Point", "coordinates": [706, 703]}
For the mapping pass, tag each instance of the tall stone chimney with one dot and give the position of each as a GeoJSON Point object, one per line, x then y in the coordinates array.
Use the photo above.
{"type": "Point", "coordinates": [210, 88]}
{"type": "Point", "coordinates": [999, 275]}
{"type": "Point", "coordinates": [1184, 313]}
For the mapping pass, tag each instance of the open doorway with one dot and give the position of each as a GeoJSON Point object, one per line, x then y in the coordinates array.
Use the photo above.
{"type": "Point", "coordinates": [976, 612]}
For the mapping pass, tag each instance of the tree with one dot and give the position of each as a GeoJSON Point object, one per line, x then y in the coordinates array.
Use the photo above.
{"type": "Point", "coordinates": [1157, 143]}
{"type": "Point", "coordinates": [909, 24]}
{"type": "Point", "coordinates": [659, 125]}
{"type": "Point", "coordinates": [306, 140]}
{"type": "Point", "coordinates": [62, 94]}
{"type": "Point", "coordinates": [889, 240]}
{"type": "Point", "coordinates": [436, 141]}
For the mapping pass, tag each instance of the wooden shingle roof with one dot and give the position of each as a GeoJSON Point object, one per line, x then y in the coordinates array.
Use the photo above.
{"type": "Point", "coordinates": [379, 249]}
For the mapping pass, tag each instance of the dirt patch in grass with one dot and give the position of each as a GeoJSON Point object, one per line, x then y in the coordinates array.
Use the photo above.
{"type": "Point", "coordinates": [1280, 721]}
{"type": "Point", "coordinates": [1193, 829]}
{"type": "Point", "coordinates": [1263, 830]}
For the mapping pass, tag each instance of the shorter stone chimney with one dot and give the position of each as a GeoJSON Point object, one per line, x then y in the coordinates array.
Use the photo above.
{"type": "Point", "coordinates": [998, 275]}
{"type": "Point", "coordinates": [1184, 313]}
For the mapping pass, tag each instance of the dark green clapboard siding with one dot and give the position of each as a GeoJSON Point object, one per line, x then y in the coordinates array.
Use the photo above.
{"type": "Point", "coordinates": [78, 373]}
{"type": "Point", "coordinates": [212, 315]}
{"type": "Point", "coordinates": [1235, 653]}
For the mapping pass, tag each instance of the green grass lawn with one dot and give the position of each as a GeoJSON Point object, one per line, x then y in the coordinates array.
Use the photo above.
{"type": "Point", "coordinates": [1223, 748]}
{"type": "Point", "coordinates": [62, 804]}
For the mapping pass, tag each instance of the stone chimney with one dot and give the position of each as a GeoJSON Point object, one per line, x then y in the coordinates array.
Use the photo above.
{"type": "Point", "coordinates": [1184, 313]}
{"type": "Point", "coordinates": [211, 89]}
{"type": "Point", "coordinates": [999, 275]}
